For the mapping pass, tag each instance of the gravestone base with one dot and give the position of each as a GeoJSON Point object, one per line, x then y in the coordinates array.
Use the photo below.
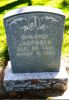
{"type": "Point", "coordinates": [38, 83]}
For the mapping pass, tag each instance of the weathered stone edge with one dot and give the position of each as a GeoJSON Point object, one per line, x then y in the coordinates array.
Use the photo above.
{"type": "Point", "coordinates": [58, 84]}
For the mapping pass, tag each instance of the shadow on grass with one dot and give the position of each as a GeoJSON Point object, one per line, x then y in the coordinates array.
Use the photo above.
{"type": "Point", "coordinates": [65, 3]}
{"type": "Point", "coordinates": [66, 27]}
{"type": "Point", "coordinates": [13, 4]}
{"type": "Point", "coordinates": [4, 54]}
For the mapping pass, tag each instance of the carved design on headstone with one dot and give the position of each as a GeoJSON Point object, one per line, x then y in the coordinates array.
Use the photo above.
{"type": "Point", "coordinates": [33, 22]}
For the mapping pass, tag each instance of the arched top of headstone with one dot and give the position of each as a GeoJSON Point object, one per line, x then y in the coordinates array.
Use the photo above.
{"type": "Point", "coordinates": [34, 9]}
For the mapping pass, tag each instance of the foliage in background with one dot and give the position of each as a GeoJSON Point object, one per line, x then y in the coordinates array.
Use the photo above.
{"type": "Point", "coordinates": [7, 5]}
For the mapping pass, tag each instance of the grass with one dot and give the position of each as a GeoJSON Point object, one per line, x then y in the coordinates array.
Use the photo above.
{"type": "Point", "coordinates": [65, 46]}
{"type": "Point", "coordinates": [7, 5]}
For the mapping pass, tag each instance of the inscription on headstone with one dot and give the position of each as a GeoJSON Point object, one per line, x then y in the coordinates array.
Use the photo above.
{"type": "Point", "coordinates": [34, 39]}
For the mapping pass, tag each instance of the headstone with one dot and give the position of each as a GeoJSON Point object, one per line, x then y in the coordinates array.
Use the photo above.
{"type": "Point", "coordinates": [34, 36]}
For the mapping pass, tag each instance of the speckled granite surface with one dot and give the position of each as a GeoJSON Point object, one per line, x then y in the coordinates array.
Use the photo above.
{"type": "Point", "coordinates": [34, 81]}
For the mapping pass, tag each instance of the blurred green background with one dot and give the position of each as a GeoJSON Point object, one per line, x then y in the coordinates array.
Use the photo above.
{"type": "Point", "coordinates": [7, 5]}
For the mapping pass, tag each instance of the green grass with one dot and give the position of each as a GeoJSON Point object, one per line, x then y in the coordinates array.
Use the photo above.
{"type": "Point", "coordinates": [62, 4]}
{"type": "Point", "coordinates": [65, 46]}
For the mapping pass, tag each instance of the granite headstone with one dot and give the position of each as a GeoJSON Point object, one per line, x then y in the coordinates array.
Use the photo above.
{"type": "Point", "coordinates": [34, 36]}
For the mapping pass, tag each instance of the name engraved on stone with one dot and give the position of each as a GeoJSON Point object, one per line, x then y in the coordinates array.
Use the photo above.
{"type": "Point", "coordinates": [32, 43]}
